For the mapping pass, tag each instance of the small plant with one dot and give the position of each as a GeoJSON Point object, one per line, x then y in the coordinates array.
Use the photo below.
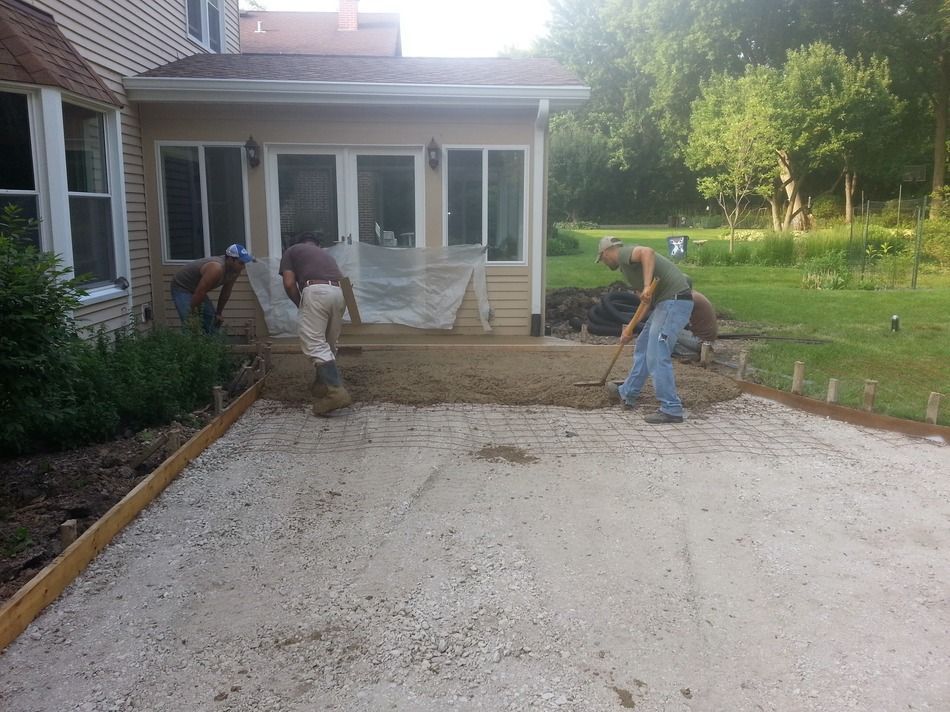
{"type": "Point", "coordinates": [829, 271]}
{"type": "Point", "coordinates": [17, 542]}
{"type": "Point", "coordinates": [561, 243]}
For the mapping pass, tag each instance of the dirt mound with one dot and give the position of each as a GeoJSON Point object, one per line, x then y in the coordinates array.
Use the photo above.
{"type": "Point", "coordinates": [506, 378]}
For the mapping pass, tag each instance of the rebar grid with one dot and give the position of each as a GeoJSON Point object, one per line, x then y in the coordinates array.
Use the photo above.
{"type": "Point", "coordinates": [551, 430]}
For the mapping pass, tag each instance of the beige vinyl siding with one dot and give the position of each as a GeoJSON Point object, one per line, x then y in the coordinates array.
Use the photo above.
{"type": "Point", "coordinates": [122, 39]}
{"type": "Point", "coordinates": [508, 286]}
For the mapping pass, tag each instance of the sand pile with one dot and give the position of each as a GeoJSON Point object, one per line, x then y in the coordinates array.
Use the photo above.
{"type": "Point", "coordinates": [483, 376]}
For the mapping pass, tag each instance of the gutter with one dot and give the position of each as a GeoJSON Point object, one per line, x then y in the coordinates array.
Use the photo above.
{"type": "Point", "coordinates": [251, 91]}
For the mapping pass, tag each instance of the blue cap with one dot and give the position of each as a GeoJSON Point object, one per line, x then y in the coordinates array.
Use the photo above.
{"type": "Point", "coordinates": [239, 251]}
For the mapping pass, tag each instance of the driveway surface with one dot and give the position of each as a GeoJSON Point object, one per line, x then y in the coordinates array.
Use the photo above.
{"type": "Point", "coordinates": [495, 558]}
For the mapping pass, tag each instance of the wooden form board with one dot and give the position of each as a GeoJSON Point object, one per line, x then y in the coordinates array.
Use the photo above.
{"type": "Point", "coordinates": [45, 587]}
{"type": "Point", "coordinates": [848, 415]}
{"type": "Point", "coordinates": [350, 298]}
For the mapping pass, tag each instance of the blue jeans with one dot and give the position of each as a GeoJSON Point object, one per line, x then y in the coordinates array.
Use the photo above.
{"type": "Point", "coordinates": [183, 306]}
{"type": "Point", "coordinates": [651, 357]}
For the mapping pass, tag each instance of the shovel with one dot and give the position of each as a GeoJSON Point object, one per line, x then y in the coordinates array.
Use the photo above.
{"type": "Point", "coordinates": [636, 319]}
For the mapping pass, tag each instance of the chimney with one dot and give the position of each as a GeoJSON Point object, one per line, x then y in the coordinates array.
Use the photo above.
{"type": "Point", "coordinates": [349, 15]}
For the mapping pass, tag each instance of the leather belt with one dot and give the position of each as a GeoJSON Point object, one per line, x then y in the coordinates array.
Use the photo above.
{"type": "Point", "coordinates": [331, 282]}
{"type": "Point", "coordinates": [686, 295]}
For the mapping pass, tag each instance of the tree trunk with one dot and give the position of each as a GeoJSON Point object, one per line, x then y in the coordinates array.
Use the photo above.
{"type": "Point", "coordinates": [850, 183]}
{"type": "Point", "coordinates": [775, 202]}
{"type": "Point", "coordinates": [794, 211]}
{"type": "Point", "coordinates": [941, 97]}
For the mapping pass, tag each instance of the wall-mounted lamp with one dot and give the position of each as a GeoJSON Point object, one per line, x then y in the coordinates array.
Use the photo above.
{"type": "Point", "coordinates": [433, 153]}
{"type": "Point", "coordinates": [253, 150]}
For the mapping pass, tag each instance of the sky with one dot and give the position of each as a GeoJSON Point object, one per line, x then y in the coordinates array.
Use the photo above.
{"type": "Point", "coordinates": [450, 28]}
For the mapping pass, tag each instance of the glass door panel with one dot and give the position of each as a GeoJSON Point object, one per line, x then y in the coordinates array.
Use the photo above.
{"type": "Point", "coordinates": [307, 194]}
{"type": "Point", "coordinates": [386, 200]}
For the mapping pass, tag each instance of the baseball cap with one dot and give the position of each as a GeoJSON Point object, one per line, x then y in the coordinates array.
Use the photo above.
{"type": "Point", "coordinates": [239, 251]}
{"type": "Point", "coordinates": [605, 244]}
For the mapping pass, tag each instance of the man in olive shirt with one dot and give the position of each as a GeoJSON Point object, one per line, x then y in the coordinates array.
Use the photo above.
{"type": "Point", "coordinates": [312, 281]}
{"type": "Point", "coordinates": [191, 284]}
{"type": "Point", "coordinates": [672, 306]}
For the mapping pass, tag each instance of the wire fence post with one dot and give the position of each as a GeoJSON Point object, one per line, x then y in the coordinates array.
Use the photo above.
{"type": "Point", "coordinates": [920, 233]}
{"type": "Point", "coordinates": [864, 247]}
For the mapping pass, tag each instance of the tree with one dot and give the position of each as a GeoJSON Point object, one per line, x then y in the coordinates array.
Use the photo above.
{"type": "Point", "coordinates": [579, 173]}
{"type": "Point", "coordinates": [731, 141]}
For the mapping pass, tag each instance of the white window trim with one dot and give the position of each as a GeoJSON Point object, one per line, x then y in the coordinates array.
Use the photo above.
{"type": "Point", "coordinates": [528, 206]}
{"type": "Point", "coordinates": [346, 185]}
{"type": "Point", "coordinates": [205, 221]}
{"type": "Point", "coordinates": [205, 40]}
{"type": "Point", "coordinates": [49, 173]}
{"type": "Point", "coordinates": [41, 196]}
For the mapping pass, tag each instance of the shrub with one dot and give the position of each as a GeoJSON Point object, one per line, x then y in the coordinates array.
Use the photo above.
{"type": "Point", "coordinates": [827, 210]}
{"type": "Point", "coordinates": [937, 241]}
{"type": "Point", "coordinates": [37, 336]}
{"type": "Point", "coordinates": [776, 250]}
{"type": "Point", "coordinates": [829, 271]}
{"type": "Point", "coordinates": [562, 243]}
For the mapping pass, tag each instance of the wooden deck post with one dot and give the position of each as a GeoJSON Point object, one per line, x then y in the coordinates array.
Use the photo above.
{"type": "Point", "coordinates": [933, 407]}
{"type": "Point", "coordinates": [832, 391]}
{"type": "Point", "coordinates": [705, 354]}
{"type": "Point", "coordinates": [218, 393]}
{"type": "Point", "coordinates": [870, 391]}
{"type": "Point", "coordinates": [798, 378]}
{"type": "Point", "coordinates": [743, 364]}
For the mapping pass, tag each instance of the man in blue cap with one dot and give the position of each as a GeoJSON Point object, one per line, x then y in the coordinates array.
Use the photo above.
{"type": "Point", "coordinates": [191, 284]}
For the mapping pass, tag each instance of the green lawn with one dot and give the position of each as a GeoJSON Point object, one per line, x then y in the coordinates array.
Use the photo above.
{"type": "Point", "coordinates": [908, 364]}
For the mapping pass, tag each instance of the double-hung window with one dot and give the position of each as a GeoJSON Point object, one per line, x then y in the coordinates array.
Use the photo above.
{"type": "Point", "coordinates": [205, 22]}
{"type": "Point", "coordinates": [203, 205]}
{"type": "Point", "coordinates": [18, 185]}
{"type": "Point", "coordinates": [89, 194]}
{"type": "Point", "coordinates": [485, 201]}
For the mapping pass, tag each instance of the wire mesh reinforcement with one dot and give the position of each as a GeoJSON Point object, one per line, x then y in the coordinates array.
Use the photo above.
{"type": "Point", "coordinates": [550, 430]}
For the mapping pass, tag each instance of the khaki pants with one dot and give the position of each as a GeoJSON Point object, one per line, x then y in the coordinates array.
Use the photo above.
{"type": "Point", "coordinates": [321, 318]}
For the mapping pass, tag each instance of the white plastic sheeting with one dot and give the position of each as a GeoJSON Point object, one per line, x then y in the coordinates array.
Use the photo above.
{"type": "Point", "coordinates": [422, 288]}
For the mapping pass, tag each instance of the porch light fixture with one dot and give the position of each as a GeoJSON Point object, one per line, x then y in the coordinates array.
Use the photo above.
{"type": "Point", "coordinates": [253, 150]}
{"type": "Point", "coordinates": [432, 151]}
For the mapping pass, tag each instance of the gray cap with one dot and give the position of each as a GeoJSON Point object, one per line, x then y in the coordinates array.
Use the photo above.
{"type": "Point", "coordinates": [605, 244]}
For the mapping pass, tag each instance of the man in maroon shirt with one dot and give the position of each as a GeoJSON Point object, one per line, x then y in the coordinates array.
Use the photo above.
{"type": "Point", "coordinates": [312, 281]}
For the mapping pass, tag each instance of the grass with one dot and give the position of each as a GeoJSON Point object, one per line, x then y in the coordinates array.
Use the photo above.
{"type": "Point", "coordinates": [908, 364]}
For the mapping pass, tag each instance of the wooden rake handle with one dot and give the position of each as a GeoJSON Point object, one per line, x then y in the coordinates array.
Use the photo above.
{"type": "Point", "coordinates": [641, 311]}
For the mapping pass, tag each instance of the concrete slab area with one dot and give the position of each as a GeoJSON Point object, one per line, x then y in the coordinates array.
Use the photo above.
{"type": "Point", "coordinates": [491, 558]}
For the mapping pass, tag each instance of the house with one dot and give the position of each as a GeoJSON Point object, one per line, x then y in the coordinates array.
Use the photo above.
{"type": "Point", "coordinates": [397, 151]}
{"type": "Point", "coordinates": [347, 32]}
{"type": "Point", "coordinates": [71, 139]}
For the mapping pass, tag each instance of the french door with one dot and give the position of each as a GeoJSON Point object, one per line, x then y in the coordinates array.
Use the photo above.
{"type": "Point", "coordinates": [372, 195]}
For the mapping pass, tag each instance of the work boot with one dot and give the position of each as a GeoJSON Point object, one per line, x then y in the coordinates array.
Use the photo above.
{"type": "Point", "coordinates": [318, 389]}
{"type": "Point", "coordinates": [661, 418]}
{"type": "Point", "coordinates": [613, 391]}
{"type": "Point", "coordinates": [336, 396]}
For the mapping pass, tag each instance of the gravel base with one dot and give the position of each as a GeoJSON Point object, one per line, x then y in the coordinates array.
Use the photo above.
{"type": "Point", "coordinates": [569, 573]}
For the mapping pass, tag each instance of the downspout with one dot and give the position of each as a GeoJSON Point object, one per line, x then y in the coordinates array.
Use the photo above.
{"type": "Point", "coordinates": [538, 218]}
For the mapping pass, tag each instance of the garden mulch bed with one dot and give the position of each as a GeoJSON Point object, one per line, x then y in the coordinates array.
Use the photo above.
{"type": "Point", "coordinates": [40, 492]}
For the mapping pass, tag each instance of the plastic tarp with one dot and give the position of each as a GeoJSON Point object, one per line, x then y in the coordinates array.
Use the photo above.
{"type": "Point", "coordinates": [421, 288]}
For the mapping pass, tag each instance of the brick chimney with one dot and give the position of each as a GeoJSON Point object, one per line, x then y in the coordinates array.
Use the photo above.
{"type": "Point", "coordinates": [349, 15]}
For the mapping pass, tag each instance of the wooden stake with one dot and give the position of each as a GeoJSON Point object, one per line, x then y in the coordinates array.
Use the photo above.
{"type": "Point", "coordinates": [174, 439]}
{"type": "Point", "coordinates": [832, 391]}
{"type": "Point", "coordinates": [705, 354]}
{"type": "Point", "coordinates": [933, 407]}
{"type": "Point", "coordinates": [798, 378]}
{"type": "Point", "coordinates": [584, 333]}
{"type": "Point", "coordinates": [68, 531]}
{"type": "Point", "coordinates": [218, 394]}
{"type": "Point", "coordinates": [743, 364]}
{"type": "Point", "coordinates": [870, 390]}
{"type": "Point", "coordinates": [267, 355]}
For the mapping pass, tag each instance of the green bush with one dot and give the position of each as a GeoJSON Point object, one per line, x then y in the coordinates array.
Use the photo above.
{"type": "Point", "coordinates": [775, 250]}
{"type": "Point", "coordinates": [937, 241]}
{"type": "Point", "coordinates": [562, 243]}
{"type": "Point", "coordinates": [827, 210]}
{"type": "Point", "coordinates": [37, 335]}
{"type": "Point", "coordinates": [828, 271]}
{"type": "Point", "coordinates": [59, 391]}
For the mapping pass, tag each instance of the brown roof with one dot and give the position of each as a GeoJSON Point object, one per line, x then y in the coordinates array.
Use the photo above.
{"type": "Point", "coordinates": [317, 33]}
{"type": "Point", "coordinates": [34, 51]}
{"type": "Point", "coordinates": [500, 71]}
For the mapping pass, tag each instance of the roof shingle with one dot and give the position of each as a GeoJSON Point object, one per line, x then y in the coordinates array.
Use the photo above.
{"type": "Point", "coordinates": [317, 33]}
{"type": "Point", "coordinates": [514, 72]}
{"type": "Point", "coordinates": [33, 50]}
